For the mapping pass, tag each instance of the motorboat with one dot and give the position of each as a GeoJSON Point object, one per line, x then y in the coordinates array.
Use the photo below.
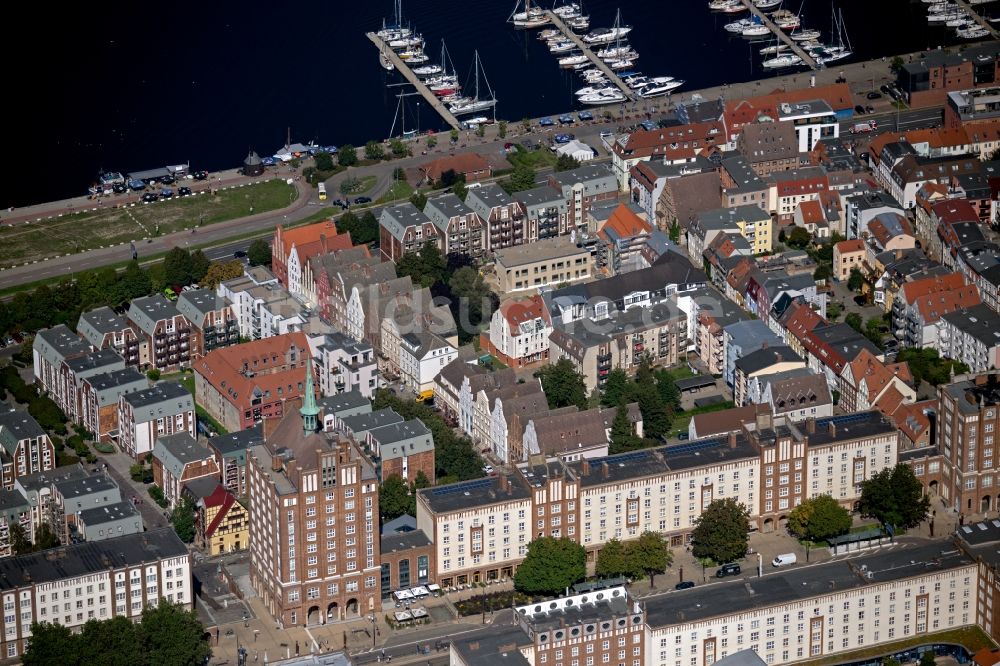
{"type": "Point", "coordinates": [579, 23]}
{"type": "Point", "coordinates": [613, 51]}
{"type": "Point", "coordinates": [562, 46]}
{"type": "Point", "coordinates": [478, 120]}
{"type": "Point", "coordinates": [416, 41]}
{"type": "Point", "coordinates": [548, 33]}
{"type": "Point", "coordinates": [943, 8]}
{"type": "Point", "coordinates": [658, 89]}
{"type": "Point", "coordinates": [573, 60]}
{"type": "Point", "coordinates": [805, 35]}
{"type": "Point", "coordinates": [622, 54]}
{"type": "Point", "coordinates": [417, 58]}
{"type": "Point", "coordinates": [766, 4]}
{"type": "Point", "coordinates": [608, 35]}
{"type": "Point", "coordinates": [720, 5]}
{"type": "Point", "coordinates": [590, 90]}
{"type": "Point", "coordinates": [976, 32]}
{"type": "Point", "coordinates": [735, 8]}
{"type": "Point", "coordinates": [756, 30]}
{"type": "Point", "coordinates": [774, 49]}
{"type": "Point", "coordinates": [428, 70]}
{"type": "Point", "coordinates": [785, 60]}
{"type": "Point", "coordinates": [961, 22]}
{"type": "Point", "coordinates": [620, 64]}
{"type": "Point", "coordinates": [787, 22]}
{"type": "Point", "coordinates": [944, 17]}
{"type": "Point", "coordinates": [567, 11]}
{"type": "Point", "coordinates": [603, 97]}
{"type": "Point", "coordinates": [738, 26]}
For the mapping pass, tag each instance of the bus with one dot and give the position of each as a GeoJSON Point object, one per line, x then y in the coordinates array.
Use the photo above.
{"type": "Point", "coordinates": [322, 191]}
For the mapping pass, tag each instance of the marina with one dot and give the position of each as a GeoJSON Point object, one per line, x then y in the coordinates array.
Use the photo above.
{"type": "Point", "coordinates": [585, 49]}
{"type": "Point", "coordinates": [415, 81]}
{"type": "Point", "coordinates": [780, 34]}
{"type": "Point", "coordinates": [983, 23]}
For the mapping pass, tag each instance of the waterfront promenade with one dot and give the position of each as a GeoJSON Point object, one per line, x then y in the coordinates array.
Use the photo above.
{"type": "Point", "coordinates": [780, 34]}
{"type": "Point", "coordinates": [414, 80]}
{"type": "Point", "coordinates": [587, 51]}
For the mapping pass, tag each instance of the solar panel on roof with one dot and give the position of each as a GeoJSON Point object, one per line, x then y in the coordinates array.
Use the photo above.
{"type": "Point", "coordinates": [623, 457]}
{"type": "Point", "coordinates": [462, 487]}
{"type": "Point", "coordinates": [691, 447]}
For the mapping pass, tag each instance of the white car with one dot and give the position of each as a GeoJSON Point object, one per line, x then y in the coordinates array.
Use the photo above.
{"type": "Point", "coordinates": [488, 469]}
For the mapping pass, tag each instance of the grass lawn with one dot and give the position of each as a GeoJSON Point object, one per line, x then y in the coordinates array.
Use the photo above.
{"type": "Point", "coordinates": [680, 372]}
{"type": "Point", "coordinates": [399, 190]}
{"type": "Point", "coordinates": [535, 159]}
{"type": "Point", "coordinates": [358, 185]}
{"type": "Point", "coordinates": [185, 379]}
{"type": "Point", "coordinates": [972, 638]}
{"type": "Point", "coordinates": [77, 232]}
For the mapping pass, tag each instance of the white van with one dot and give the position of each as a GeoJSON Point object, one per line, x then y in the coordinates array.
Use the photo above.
{"type": "Point", "coordinates": [783, 560]}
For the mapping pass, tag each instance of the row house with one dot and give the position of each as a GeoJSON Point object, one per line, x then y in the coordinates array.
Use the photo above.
{"type": "Point", "coordinates": [830, 347]}
{"type": "Point", "coordinates": [313, 500]}
{"type": "Point", "coordinates": [503, 220]}
{"type": "Point", "coordinates": [230, 451]}
{"type": "Point", "coordinates": [546, 213]}
{"type": "Point", "coordinates": [796, 320]}
{"type": "Point", "coordinates": [75, 371]}
{"type": "Point", "coordinates": [145, 415]}
{"type": "Point", "coordinates": [684, 196]}
{"type": "Point", "coordinates": [581, 188]}
{"type": "Point", "coordinates": [343, 365]}
{"type": "Point", "coordinates": [646, 182]}
{"type": "Point", "coordinates": [99, 395]}
{"type": "Point", "coordinates": [813, 120]}
{"type": "Point", "coordinates": [301, 276]}
{"type": "Point", "coordinates": [422, 355]}
{"type": "Point", "coordinates": [741, 186]}
{"type": "Point", "coordinates": [50, 349]}
{"type": "Point", "coordinates": [166, 339]}
{"type": "Point", "coordinates": [971, 336]}
{"type": "Point", "coordinates": [239, 386]}
{"type": "Point", "coordinates": [448, 386]}
{"type": "Point", "coordinates": [848, 255]}
{"type": "Point", "coordinates": [25, 447]}
{"type": "Point", "coordinates": [475, 391]}
{"type": "Point", "coordinates": [99, 581]}
{"type": "Point", "coordinates": [510, 414]}
{"type": "Point", "coordinates": [751, 368]}
{"type": "Point", "coordinates": [621, 241]}
{"type": "Point", "coordinates": [936, 225]}
{"type": "Point", "coordinates": [979, 262]}
{"type": "Point", "coordinates": [889, 232]}
{"type": "Point", "coordinates": [911, 172]}
{"type": "Point", "coordinates": [866, 380]}
{"type": "Point", "coordinates": [921, 304]}
{"type": "Point", "coordinates": [336, 275]}
{"type": "Point", "coordinates": [73, 496]}
{"type": "Point", "coordinates": [671, 145]}
{"type": "Point", "coordinates": [460, 229]}
{"type": "Point", "coordinates": [798, 395]}
{"type": "Point", "coordinates": [405, 228]}
{"type": "Point", "coordinates": [568, 434]}
{"type": "Point", "coordinates": [723, 254]}
{"type": "Point", "coordinates": [370, 304]}
{"type": "Point", "coordinates": [410, 313]}
{"type": "Point", "coordinates": [484, 404]}
{"type": "Point", "coordinates": [790, 188]}
{"type": "Point", "coordinates": [764, 291]}
{"type": "Point", "coordinates": [861, 208]}
{"type": "Point", "coordinates": [622, 340]}
{"type": "Point", "coordinates": [222, 523]}
{"type": "Point", "coordinates": [213, 322]}
{"type": "Point", "coordinates": [179, 459]}
{"type": "Point", "coordinates": [769, 146]}
{"type": "Point", "coordinates": [103, 328]}
{"type": "Point", "coordinates": [286, 244]}
{"type": "Point", "coordinates": [519, 332]}
{"type": "Point", "coordinates": [709, 336]}
{"type": "Point", "coordinates": [742, 338]}
{"type": "Point", "coordinates": [404, 449]}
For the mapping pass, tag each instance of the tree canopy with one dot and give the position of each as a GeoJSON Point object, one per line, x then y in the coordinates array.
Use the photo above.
{"type": "Point", "coordinates": [426, 267]}
{"type": "Point", "coordinates": [895, 497]}
{"type": "Point", "coordinates": [927, 365]}
{"type": "Point", "coordinates": [394, 498]}
{"type": "Point", "coordinates": [855, 279]}
{"type": "Point", "coordinates": [472, 302]}
{"type": "Point", "coordinates": [566, 163]}
{"type": "Point", "coordinates": [220, 271]}
{"type": "Point", "coordinates": [819, 518]}
{"type": "Point", "coordinates": [551, 566]}
{"type": "Point", "coordinates": [521, 178]}
{"type": "Point", "coordinates": [259, 253]}
{"type": "Point", "coordinates": [721, 531]}
{"type": "Point", "coordinates": [563, 385]}
{"type": "Point", "coordinates": [363, 229]}
{"type": "Point", "coordinates": [182, 518]}
{"type": "Point", "coordinates": [798, 237]}
{"type": "Point", "coordinates": [347, 155]}
{"type": "Point", "coordinates": [167, 636]}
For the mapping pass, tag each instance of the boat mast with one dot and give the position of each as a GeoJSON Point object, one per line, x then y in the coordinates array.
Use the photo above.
{"type": "Point", "coordinates": [843, 30]}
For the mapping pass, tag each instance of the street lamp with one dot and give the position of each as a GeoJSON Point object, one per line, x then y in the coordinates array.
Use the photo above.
{"type": "Point", "coordinates": [374, 628]}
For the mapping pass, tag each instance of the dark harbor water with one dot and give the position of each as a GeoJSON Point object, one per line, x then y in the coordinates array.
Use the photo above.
{"type": "Point", "coordinates": [140, 86]}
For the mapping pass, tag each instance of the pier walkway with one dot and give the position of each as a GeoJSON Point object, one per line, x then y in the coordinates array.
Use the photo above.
{"type": "Point", "coordinates": [978, 17]}
{"type": "Point", "coordinates": [415, 81]}
{"type": "Point", "coordinates": [585, 48]}
{"type": "Point", "coordinates": [780, 34]}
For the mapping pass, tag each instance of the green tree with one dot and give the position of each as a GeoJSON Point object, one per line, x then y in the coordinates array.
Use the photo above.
{"type": "Point", "coordinates": [526, 125]}
{"type": "Point", "coordinates": [612, 560]}
{"type": "Point", "coordinates": [153, 374]}
{"type": "Point", "coordinates": [622, 437]}
{"type": "Point", "coordinates": [480, 130]}
{"type": "Point", "coordinates": [220, 271]}
{"type": "Point", "coordinates": [259, 253]}
{"type": "Point", "coordinates": [473, 302]}
{"type": "Point", "coordinates": [374, 151]}
{"type": "Point", "coordinates": [199, 265]}
{"type": "Point", "coordinates": [172, 636]}
{"type": "Point", "coordinates": [853, 319]}
{"type": "Point", "coordinates": [363, 229]}
{"type": "Point", "coordinates": [324, 161]}
{"type": "Point", "coordinates": [721, 531]}
{"type": "Point", "coordinates": [502, 129]}
{"type": "Point", "coordinates": [19, 541]}
{"type": "Point", "coordinates": [426, 267]}
{"type": "Point", "coordinates": [799, 237]}
{"type": "Point", "coordinates": [818, 519]}
{"type": "Point", "coordinates": [182, 518]}
{"type": "Point", "coordinates": [45, 538]}
{"type": "Point", "coordinates": [50, 644]}
{"type": "Point", "coordinates": [566, 163]}
{"type": "Point", "coordinates": [394, 498]}
{"type": "Point", "coordinates": [454, 136]}
{"type": "Point", "coordinates": [431, 142]}
{"type": "Point", "coordinates": [459, 189]}
{"type": "Point", "coordinates": [563, 385]}
{"type": "Point", "coordinates": [667, 387]}
{"type": "Point", "coordinates": [855, 280]}
{"type": "Point", "coordinates": [822, 272]}
{"type": "Point", "coordinates": [177, 266]}
{"type": "Point", "coordinates": [873, 330]}
{"type": "Point", "coordinates": [418, 199]}
{"type": "Point", "coordinates": [398, 148]}
{"type": "Point", "coordinates": [522, 178]}
{"type": "Point", "coordinates": [896, 63]}
{"type": "Point", "coordinates": [114, 642]}
{"type": "Point", "coordinates": [347, 155]}
{"type": "Point", "coordinates": [420, 481]}
{"type": "Point", "coordinates": [895, 497]}
{"type": "Point", "coordinates": [657, 417]}
{"type": "Point", "coordinates": [833, 310]}
{"type": "Point", "coordinates": [675, 232]}
{"type": "Point", "coordinates": [617, 388]}
{"type": "Point", "coordinates": [134, 282]}
{"type": "Point", "coordinates": [650, 555]}
{"type": "Point", "coordinates": [927, 658]}
{"type": "Point", "coordinates": [551, 566]}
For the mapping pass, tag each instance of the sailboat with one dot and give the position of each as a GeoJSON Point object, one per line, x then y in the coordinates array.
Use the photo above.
{"type": "Point", "coordinates": [384, 60]}
{"type": "Point", "coordinates": [531, 17]}
{"type": "Point", "coordinates": [475, 103]}
{"type": "Point", "coordinates": [842, 49]}
{"type": "Point", "coordinates": [401, 113]}
{"type": "Point", "coordinates": [433, 70]}
{"type": "Point", "coordinates": [396, 29]}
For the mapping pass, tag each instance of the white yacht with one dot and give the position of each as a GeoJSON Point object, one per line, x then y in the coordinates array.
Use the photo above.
{"type": "Point", "coordinates": [621, 64]}
{"type": "Point", "coordinates": [608, 35]}
{"type": "Point", "coordinates": [766, 4]}
{"type": "Point", "coordinates": [756, 30]}
{"type": "Point", "coordinates": [738, 26]}
{"type": "Point", "coordinates": [476, 103]}
{"type": "Point", "coordinates": [622, 54]}
{"type": "Point", "coordinates": [531, 17]}
{"type": "Point", "coordinates": [567, 11]}
{"type": "Point", "coordinates": [774, 49]}
{"type": "Point", "coordinates": [591, 90]}
{"type": "Point", "coordinates": [572, 60]}
{"type": "Point", "coordinates": [427, 70]}
{"type": "Point", "coordinates": [603, 97]}
{"type": "Point", "coordinates": [805, 35]}
{"type": "Point", "coordinates": [658, 89]}
{"type": "Point", "coordinates": [563, 46]}
{"type": "Point", "coordinates": [786, 60]}
{"type": "Point", "coordinates": [412, 40]}
{"type": "Point", "coordinates": [579, 23]}
{"type": "Point", "coordinates": [548, 33]}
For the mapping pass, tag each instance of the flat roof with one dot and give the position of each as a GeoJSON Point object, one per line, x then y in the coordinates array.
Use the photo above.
{"type": "Point", "coordinates": [549, 248]}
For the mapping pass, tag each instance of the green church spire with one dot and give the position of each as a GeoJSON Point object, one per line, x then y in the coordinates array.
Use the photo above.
{"type": "Point", "coordinates": [309, 408]}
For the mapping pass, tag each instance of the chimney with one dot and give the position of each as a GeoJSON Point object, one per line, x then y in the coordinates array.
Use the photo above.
{"type": "Point", "coordinates": [604, 469]}
{"type": "Point", "coordinates": [810, 425]}
{"type": "Point", "coordinates": [585, 467]}
{"type": "Point", "coordinates": [833, 429]}
{"type": "Point", "coordinates": [268, 426]}
{"type": "Point", "coordinates": [764, 420]}
{"type": "Point", "coordinates": [322, 242]}
{"type": "Point", "coordinates": [275, 462]}
{"type": "Point", "coordinates": [732, 440]}
{"type": "Point", "coordinates": [504, 483]}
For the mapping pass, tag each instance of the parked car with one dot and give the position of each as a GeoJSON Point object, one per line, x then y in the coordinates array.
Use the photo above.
{"type": "Point", "coordinates": [563, 138]}
{"type": "Point", "coordinates": [166, 193]}
{"type": "Point", "coordinates": [874, 95]}
{"type": "Point", "coordinates": [870, 109]}
{"type": "Point", "coordinates": [362, 200]}
{"type": "Point", "coordinates": [168, 180]}
{"type": "Point", "coordinates": [546, 122]}
{"type": "Point", "coordinates": [860, 110]}
{"type": "Point", "coordinates": [682, 435]}
{"type": "Point", "coordinates": [565, 120]}
{"type": "Point", "coordinates": [783, 560]}
{"type": "Point", "coordinates": [183, 191]}
{"type": "Point", "coordinates": [149, 197]}
{"type": "Point", "coordinates": [487, 469]}
{"type": "Point", "coordinates": [886, 89]}
{"type": "Point", "coordinates": [585, 115]}
{"type": "Point", "coordinates": [684, 585]}
{"type": "Point", "coordinates": [200, 175]}
{"type": "Point", "coordinates": [119, 188]}
{"type": "Point", "coordinates": [239, 254]}
{"type": "Point", "coordinates": [731, 569]}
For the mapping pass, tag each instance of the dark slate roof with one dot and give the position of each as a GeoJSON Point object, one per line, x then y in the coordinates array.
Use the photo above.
{"type": "Point", "coordinates": [20, 424]}
{"type": "Point", "coordinates": [478, 492]}
{"type": "Point", "coordinates": [766, 357]}
{"type": "Point", "coordinates": [90, 557]}
{"type": "Point", "coordinates": [236, 443]}
{"type": "Point", "coordinates": [393, 543]}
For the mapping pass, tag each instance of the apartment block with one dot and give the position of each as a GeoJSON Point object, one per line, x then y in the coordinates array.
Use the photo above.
{"type": "Point", "coordinates": [145, 415]}
{"type": "Point", "coordinates": [213, 322]}
{"type": "Point", "coordinates": [968, 423]}
{"type": "Point", "coordinates": [164, 335]}
{"type": "Point", "coordinates": [25, 447]}
{"type": "Point", "coordinates": [504, 220]}
{"type": "Point", "coordinates": [543, 264]}
{"type": "Point", "coordinates": [179, 459]}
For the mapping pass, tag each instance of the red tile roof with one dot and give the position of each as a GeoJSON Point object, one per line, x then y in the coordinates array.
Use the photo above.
{"type": "Point", "coordinates": [311, 233]}
{"type": "Point", "coordinates": [673, 143]}
{"type": "Point", "coordinates": [929, 285]}
{"type": "Point", "coordinates": [955, 210]}
{"type": "Point", "coordinates": [933, 306]}
{"type": "Point", "coordinates": [625, 223]}
{"type": "Point", "coordinates": [812, 212]}
{"type": "Point", "coordinates": [743, 111]}
{"type": "Point", "coordinates": [463, 163]}
{"type": "Point", "coordinates": [223, 499]}
{"type": "Point", "coordinates": [847, 246]}
{"type": "Point", "coordinates": [516, 312]}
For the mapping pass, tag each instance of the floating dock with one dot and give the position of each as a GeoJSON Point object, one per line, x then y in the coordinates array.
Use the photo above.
{"type": "Point", "coordinates": [780, 34]}
{"type": "Point", "coordinates": [601, 65]}
{"type": "Point", "coordinates": [979, 19]}
{"type": "Point", "coordinates": [415, 81]}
